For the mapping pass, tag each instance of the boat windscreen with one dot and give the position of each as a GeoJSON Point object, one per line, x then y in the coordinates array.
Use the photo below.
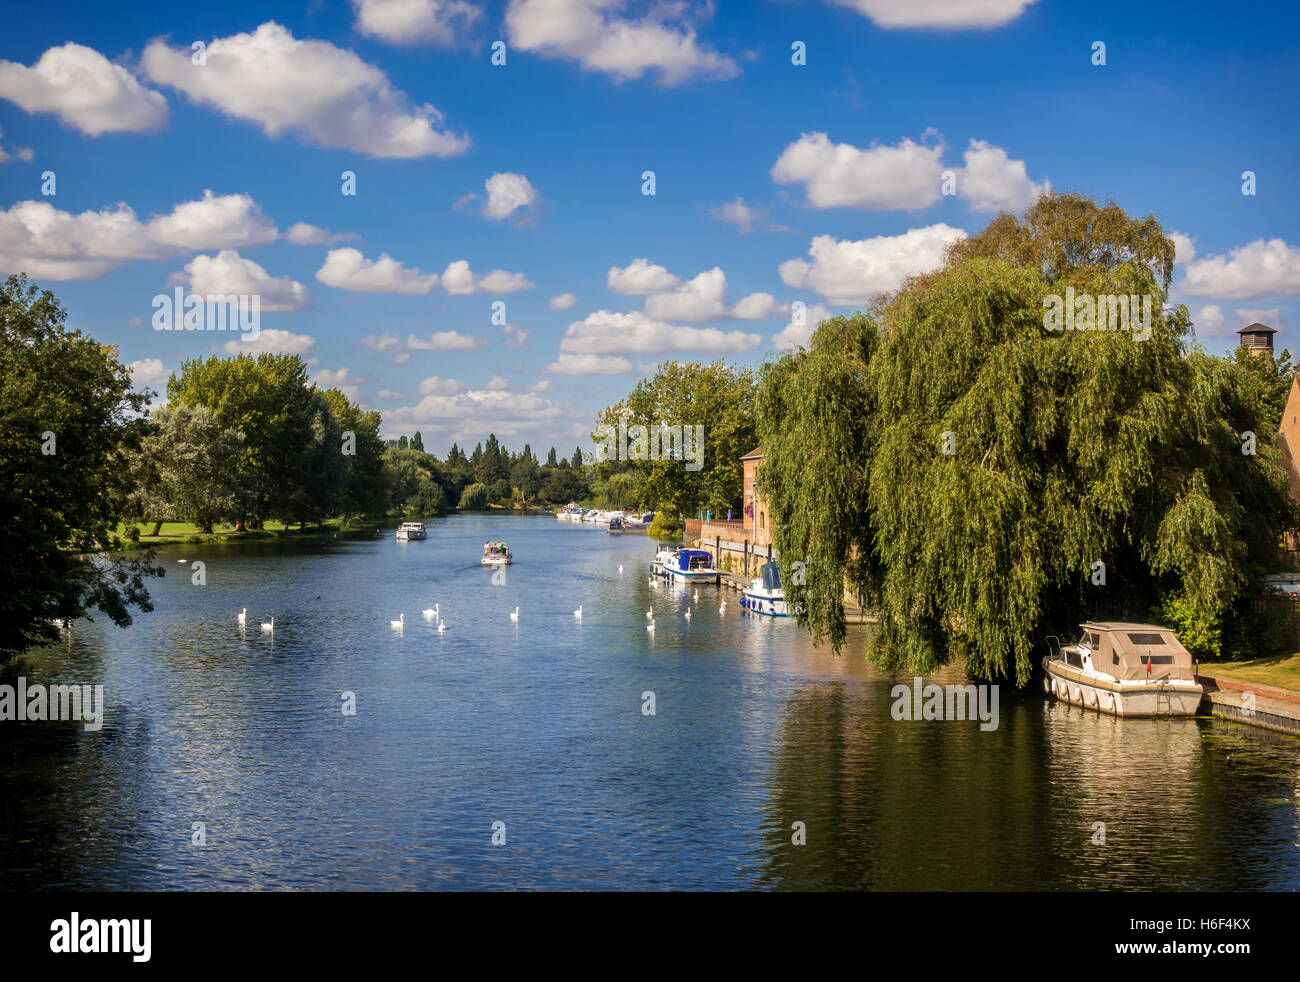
{"type": "Point", "coordinates": [771, 576]}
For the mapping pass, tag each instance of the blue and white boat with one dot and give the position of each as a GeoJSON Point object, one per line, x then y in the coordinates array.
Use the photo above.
{"type": "Point", "coordinates": [764, 595]}
{"type": "Point", "coordinates": [687, 566]}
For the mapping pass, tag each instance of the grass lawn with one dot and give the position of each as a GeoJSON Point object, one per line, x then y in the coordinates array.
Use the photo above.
{"type": "Point", "coordinates": [1282, 671]}
{"type": "Point", "coordinates": [189, 532]}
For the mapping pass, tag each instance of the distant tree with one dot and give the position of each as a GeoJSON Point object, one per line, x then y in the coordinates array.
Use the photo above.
{"type": "Point", "coordinates": [186, 469]}
{"type": "Point", "coordinates": [402, 442]}
{"type": "Point", "coordinates": [474, 498]}
{"type": "Point", "coordinates": [524, 476]}
{"type": "Point", "coordinates": [365, 489]}
{"type": "Point", "coordinates": [417, 441]}
{"type": "Point", "coordinates": [576, 462]}
{"type": "Point", "coordinates": [550, 458]}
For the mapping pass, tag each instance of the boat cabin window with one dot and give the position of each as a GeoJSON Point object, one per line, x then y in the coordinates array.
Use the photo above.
{"type": "Point", "coordinates": [1074, 658]}
{"type": "Point", "coordinates": [1158, 659]}
{"type": "Point", "coordinates": [1146, 639]}
{"type": "Point", "coordinates": [1091, 640]}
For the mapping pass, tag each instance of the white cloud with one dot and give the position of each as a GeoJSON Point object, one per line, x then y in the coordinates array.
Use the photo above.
{"type": "Point", "coordinates": [564, 301]}
{"type": "Point", "coordinates": [24, 154]}
{"type": "Point", "coordinates": [516, 337]}
{"type": "Point", "coordinates": [329, 379]}
{"type": "Point", "coordinates": [1208, 321]}
{"type": "Point", "coordinates": [304, 233]}
{"type": "Point", "coordinates": [435, 386]}
{"type": "Point", "coordinates": [440, 22]}
{"type": "Point", "coordinates": [737, 213]}
{"type": "Point", "coordinates": [1269, 316]}
{"type": "Point", "coordinates": [348, 269]}
{"type": "Point", "coordinates": [381, 342]}
{"type": "Point", "coordinates": [939, 14]}
{"type": "Point", "coordinates": [324, 93]}
{"type": "Point", "coordinates": [755, 307]}
{"type": "Point", "coordinates": [147, 371]}
{"type": "Point", "coordinates": [271, 340]}
{"type": "Point", "coordinates": [606, 333]}
{"type": "Point", "coordinates": [542, 386]}
{"type": "Point", "coordinates": [46, 243]}
{"type": "Point", "coordinates": [849, 273]}
{"type": "Point", "coordinates": [227, 272]}
{"type": "Point", "coordinates": [506, 194]}
{"type": "Point", "coordinates": [799, 332]}
{"type": "Point", "coordinates": [1258, 269]}
{"type": "Point", "coordinates": [85, 90]}
{"type": "Point", "coordinates": [497, 384]}
{"type": "Point", "coordinates": [1184, 248]}
{"type": "Point", "coordinates": [567, 364]}
{"type": "Point", "coordinates": [390, 394]}
{"type": "Point", "coordinates": [459, 280]}
{"type": "Point", "coordinates": [469, 414]}
{"type": "Point", "coordinates": [640, 277]}
{"type": "Point", "coordinates": [445, 341]}
{"type": "Point", "coordinates": [596, 35]}
{"type": "Point", "coordinates": [700, 299]}
{"type": "Point", "coordinates": [991, 181]}
{"type": "Point", "coordinates": [839, 175]}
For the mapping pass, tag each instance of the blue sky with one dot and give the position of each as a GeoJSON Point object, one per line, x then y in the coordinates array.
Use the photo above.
{"type": "Point", "coordinates": [522, 183]}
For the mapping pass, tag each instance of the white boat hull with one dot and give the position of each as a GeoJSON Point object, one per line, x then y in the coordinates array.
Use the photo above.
{"type": "Point", "coordinates": [1120, 697]}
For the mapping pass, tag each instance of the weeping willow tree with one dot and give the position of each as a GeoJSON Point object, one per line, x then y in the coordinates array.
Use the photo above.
{"type": "Point", "coordinates": [979, 477]}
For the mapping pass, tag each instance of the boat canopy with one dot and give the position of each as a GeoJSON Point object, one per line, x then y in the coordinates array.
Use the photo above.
{"type": "Point", "coordinates": [689, 559]}
{"type": "Point", "coordinates": [771, 575]}
{"type": "Point", "coordinates": [1126, 651]}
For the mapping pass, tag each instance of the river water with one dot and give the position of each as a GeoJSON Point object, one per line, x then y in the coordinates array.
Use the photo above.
{"type": "Point", "coordinates": [539, 725]}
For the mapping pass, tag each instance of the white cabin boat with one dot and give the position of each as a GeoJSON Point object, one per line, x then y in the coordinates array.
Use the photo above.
{"type": "Point", "coordinates": [764, 595]}
{"type": "Point", "coordinates": [1126, 670]}
{"type": "Point", "coordinates": [496, 554]}
{"type": "Point", "coordinates": [411, 530]}
{"type": "Point", "coordinates": [685, 566]}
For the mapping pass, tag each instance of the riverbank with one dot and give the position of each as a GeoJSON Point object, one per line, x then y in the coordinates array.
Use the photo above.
{"type": "Point", "coordinates": [187, 533]}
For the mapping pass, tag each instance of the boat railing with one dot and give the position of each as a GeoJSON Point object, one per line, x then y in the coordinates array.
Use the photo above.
{"type": "Point", "coordinates": [1053, 647]}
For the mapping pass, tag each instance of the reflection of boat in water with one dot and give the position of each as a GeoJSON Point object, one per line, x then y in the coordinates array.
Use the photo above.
{"type": "Point", "coordinates": [1124, 669]}
{"type": "Point", "coordinates": [411, 530]}
{"type": "Point", "coordinates": [685, 565]}
{"type": "Point", "coordinates": [496, 554]}
{"type": "Point", "coordinates": [764, 595]}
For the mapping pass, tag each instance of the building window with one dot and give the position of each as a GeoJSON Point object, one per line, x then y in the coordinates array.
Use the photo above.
{"type": "Point", "coordinates": [762, 520]}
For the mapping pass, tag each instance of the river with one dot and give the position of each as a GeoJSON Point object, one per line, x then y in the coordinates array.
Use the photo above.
{"type": "Point", "coordinates": [237, 739]}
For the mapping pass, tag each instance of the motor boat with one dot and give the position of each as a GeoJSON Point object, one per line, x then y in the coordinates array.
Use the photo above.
{"type": "Point", "coordinates": [1124, 669]}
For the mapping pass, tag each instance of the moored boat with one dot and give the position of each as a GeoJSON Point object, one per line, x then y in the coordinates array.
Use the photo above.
{"type": "Point", "coordinates": [1124, 669]}
{"type": "Point", "coordinates": [496, 554]}
{"type": "Point", "coordinates": [764, 594]}
{"type": "Point", "coordinates": [411, 530]}
{"type": "Point", "coordinates": [686, 566]}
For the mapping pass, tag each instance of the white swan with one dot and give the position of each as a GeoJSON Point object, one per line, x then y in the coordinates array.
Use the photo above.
{"type": "Point", "coordinates": [650, 627]}
{"type": "Point", "coordinates": [398, 624]}
{"type": "Point", "coordinates": [722, 607]}
{"type": "Point", "coordinates": [697, 596]}
{"type": "Point", "coordinates": [620, 569]}
{"type": "Point", "coordinates": [269, 625]}
{"type": "Point", "coordinates": [650, 614]}
{"type": "Point", "coordinates": [429, 613]}
{"type": "Point", "coordinates": [243, 616]}
{"type": "Point", "coordinates": [578, 613]}
{"type": "Point", "coordinates": [180, 562]}
{"type": "Point", "coordinates": [514, 615]}
{"type": "Point", "coordinates": [442, 625]}
{"type": "Point", "coordinates": [688, 613]}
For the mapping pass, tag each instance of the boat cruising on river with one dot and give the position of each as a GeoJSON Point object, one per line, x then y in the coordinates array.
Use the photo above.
{"type": "Point", "coordinates": [685, 566]}
{"type": "Point", "coordinates": [1125, 670]}
{"type": "Point", "coordinates": [496, 554]}
{"type": "Point", "coordinates": [764, 594]}
{"type": "Point", "coordinates": [411, 530]}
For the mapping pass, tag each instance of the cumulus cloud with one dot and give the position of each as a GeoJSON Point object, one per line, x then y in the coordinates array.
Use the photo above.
{"type": "Point", "coordinates": [445, 341]}
{"type": "Point", "coordinates": [272, 341]}
{"type": "Point", "coordinates": [639, 278]}
{"type": "Point", "coordinates": [325, 94]}
{"type": "Point", "coordinates": [1257, 269]}
{"type": "Point", "coordinates": [1208, 321]}
{"type": "Point", "coordinates": [468, 414]}
{"type": "Point", "coordinates": [440, 22]}
{"type": "Point", "coordinates": [991, 181]}
{"type": "Point", "coordinates": [147, 371]}
{"type": "Point", "coordinates": [84, 90]}
{"type": "Point", "coordinates": [606, 333]}
{"type": "Point", "coordinates": [739, 214]}
{"type": "Point", "coordinates": [330, 379]}
{"type": "Point", "coordinates": [849, 273]}
{"type": "Point", "coordinates": [600, 37]}
{"type": "Point", "coordinates": [304, 233]}
{"type": "Point", "coordinates": [435, 386]}
{"type": "Point", "coordinates": [458, 279]}
{"type": "Point", "coordinates": [381, 342]}
{"type": "Point", "coordinates": [348, 269]}
{"type": "Point", "coordinates": [700, 299]}
{"type": "Point", "coordinates": [46, 243]}
{"type": "Point", "coordinates": [506, 194]}
{"type": "Point", "coordinates": [803, 321]}
{"type": "Point", "coordinates": [567, 364]}
{"type": "Point", "coordinates": [938, 14]}
{"type": "Point", "coordinates": [755, 307]}
{"type": "Point", "coordinates": [497, 384]}
{"type": "Point", "coordinates": [1184, 248]}
{"type": "Point", "coordinates": [227, 272]}
{"type": "Point", "coordinates": [839, 175]}
{"type": "Point", "coordinates": [564, 301]}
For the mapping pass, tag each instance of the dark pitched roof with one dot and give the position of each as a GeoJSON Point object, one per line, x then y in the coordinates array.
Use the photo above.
{"type": "Point", "coordinates": [1257, 328]}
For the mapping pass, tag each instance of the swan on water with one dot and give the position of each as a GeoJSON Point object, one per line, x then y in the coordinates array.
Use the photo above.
{"type": "Point", "coordinates": [268, 625]}
{"type": "Point", "coordinates": [442, 625]}
{"type": "Point", "coordinates": [398, 624]}
{"type": "Point", "coordinates": [242, 615]}
{"type": "Point", "coordinates": [514, 615]}
{"type": "Point", "coordinates": [578, 613]}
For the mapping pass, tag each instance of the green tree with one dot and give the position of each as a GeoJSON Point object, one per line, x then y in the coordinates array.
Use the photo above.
{"type": "Point", "coordinates": [68, 421]}
{"type": "Point", "coordinates": [1002, 461]}
{"type": "Point", "coordinates": [364, 490]}
{"type": "Point", "coordinates": [474, 498]}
